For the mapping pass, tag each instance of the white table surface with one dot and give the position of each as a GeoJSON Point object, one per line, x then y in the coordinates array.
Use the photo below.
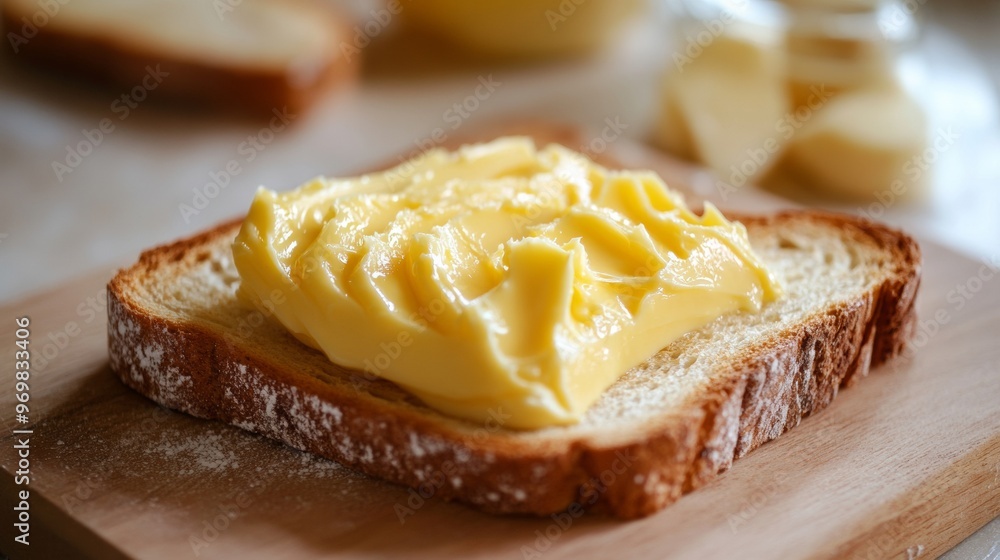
{"type": "Point", "coordinates": [125, 196]}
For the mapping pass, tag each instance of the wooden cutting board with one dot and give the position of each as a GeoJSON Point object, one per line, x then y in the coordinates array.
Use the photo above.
{"type": "Point", "coordinates": [904, 465]}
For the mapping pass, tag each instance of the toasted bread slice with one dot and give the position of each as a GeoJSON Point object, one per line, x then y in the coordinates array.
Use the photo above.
{"type": "Point", "coordinates": [178, 334]}
{"type": "Point", "coordinates": [253, 56]}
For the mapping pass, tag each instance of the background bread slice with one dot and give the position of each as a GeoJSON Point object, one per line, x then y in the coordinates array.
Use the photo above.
{"type": "Point", "coordinates": [252, 56]}
{"type": "Point", "coordinates": [178, 335]}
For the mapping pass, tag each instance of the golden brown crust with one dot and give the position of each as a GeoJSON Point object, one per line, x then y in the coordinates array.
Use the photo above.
{"type": "Point", "coordinates": [778, 382]}
{"type": "Point", "coordinates": [120, 66]}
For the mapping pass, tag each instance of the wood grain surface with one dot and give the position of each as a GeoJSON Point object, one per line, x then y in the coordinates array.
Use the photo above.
{"type": "Point", "coordinates": [903, 465]}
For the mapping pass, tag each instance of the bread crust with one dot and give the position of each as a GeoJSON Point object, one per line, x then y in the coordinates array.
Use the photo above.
{"type": "Point", "coordinates": [774, 385]}
{"type": "Point", "coordinates": [121, 65]}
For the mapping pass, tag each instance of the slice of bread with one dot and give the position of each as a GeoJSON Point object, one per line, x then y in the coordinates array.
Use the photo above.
{"type": "Point", "coordinates": [252, 56]}
{"type": "Point", "coordinates": [178, 335]}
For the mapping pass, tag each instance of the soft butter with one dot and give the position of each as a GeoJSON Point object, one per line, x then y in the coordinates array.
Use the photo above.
{"type": "Point", "coordinates": [498, 278]}
{"type": "Point", "coordinates": [800, 113]}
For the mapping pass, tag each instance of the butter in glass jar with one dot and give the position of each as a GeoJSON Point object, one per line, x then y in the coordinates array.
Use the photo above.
{"type": "Point", "coordinates": [803, 97]}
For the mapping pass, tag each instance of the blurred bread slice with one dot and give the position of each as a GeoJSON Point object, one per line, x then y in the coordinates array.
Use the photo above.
{"type": "Point", "coordinates": [252, 56]}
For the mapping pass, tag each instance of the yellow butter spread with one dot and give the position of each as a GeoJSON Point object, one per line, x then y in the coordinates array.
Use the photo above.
{"type": "Point", "coordinates": [496, 281]}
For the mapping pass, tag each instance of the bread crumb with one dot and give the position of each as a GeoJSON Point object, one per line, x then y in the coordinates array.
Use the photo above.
{"type": "Point", "coordinates": [415, 447]}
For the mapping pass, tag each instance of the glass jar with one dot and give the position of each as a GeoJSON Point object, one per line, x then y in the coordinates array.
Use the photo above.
{"type": "Point", "coordinates": [803, 97]}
